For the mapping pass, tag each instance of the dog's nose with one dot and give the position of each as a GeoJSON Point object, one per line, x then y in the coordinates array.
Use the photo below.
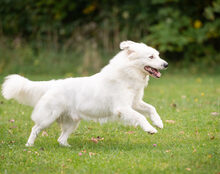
{"type": "Point", "coordinates": [165, 65]}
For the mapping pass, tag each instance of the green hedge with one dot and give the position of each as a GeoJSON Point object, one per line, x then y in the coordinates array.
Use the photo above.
{"type": "Point", "coordinates": [181, 29]}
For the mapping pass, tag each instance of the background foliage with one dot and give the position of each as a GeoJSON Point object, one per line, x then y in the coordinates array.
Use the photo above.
{"type": "Point", "coordinates": [187, 31]}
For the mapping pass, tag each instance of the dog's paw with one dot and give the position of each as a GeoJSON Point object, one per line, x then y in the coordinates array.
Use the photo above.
{"type": "Point", "coordinates": [151, 130]}
{"type": "Point", "coordinates": [158, 124]}
{"type": "Point", "coordinates": [64, 144]}
{"type": "Point", "coordinates": [28, 144]}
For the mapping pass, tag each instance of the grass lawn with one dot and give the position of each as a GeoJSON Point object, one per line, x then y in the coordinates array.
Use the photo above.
{"type": "Point", "coordinates": [189, 142]}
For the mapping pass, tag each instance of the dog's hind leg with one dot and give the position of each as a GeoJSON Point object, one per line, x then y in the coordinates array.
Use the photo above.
{"type": "Point", "coordinates": [35, 131]}
{"type": "Point", "coordinates": [68, 125]}
{"type": "Point", "coordinates": [43, 118]}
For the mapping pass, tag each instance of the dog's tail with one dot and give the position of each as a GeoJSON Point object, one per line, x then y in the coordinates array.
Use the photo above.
{"type": "Point", "coordinates": [23, 90]}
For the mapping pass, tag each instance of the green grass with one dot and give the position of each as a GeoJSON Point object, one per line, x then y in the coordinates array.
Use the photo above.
{"type": "Point", "coordinates": [190, 145]}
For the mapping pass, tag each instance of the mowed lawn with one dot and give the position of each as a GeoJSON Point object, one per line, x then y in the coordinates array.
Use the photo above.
{"type": "Point", "coordinates": [189, 106]}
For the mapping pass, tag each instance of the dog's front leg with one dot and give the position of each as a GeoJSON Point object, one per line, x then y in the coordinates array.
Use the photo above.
{"type": "Point", "coordinates": [133, 117]}
{"type": "Point", "coordinates": [150, 111]}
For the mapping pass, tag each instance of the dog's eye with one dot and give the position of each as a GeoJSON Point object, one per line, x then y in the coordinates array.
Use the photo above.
{"type": "Point", "coordinates": [151, 57]}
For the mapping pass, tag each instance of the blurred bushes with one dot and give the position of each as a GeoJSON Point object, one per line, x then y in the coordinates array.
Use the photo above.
{"type": "Point", "coordinates": [182, 30]}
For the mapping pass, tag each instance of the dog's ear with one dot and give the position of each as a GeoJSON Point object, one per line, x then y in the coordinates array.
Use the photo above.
{"type": "Point", "coordinates": [126, 45]}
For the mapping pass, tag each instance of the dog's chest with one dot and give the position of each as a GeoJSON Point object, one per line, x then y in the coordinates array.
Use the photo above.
{"type": "Point", "coordinates": [136, 85]}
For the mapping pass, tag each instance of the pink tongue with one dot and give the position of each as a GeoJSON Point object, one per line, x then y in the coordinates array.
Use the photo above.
{"type": "Point", "coordinates": [157, 74]}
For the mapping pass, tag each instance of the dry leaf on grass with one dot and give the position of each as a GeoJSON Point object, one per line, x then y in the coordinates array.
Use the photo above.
{"type": "Point", "coordinates": [173, 105]}
{"type": "Point", "coordinates": [11, 142]}
{"type": "Point", "coordinates": [91, 154]}
{"type": "Point", "coordinates": [194, 150]}
{"type": "Point", "coordinates": [182, 132]}
{"type": "Point", "coordinates": [212, 137]}
{"type": "Point", "coordinates": [188, 169]}
{"type": "Point", "coordinates": [170, 121]}
{"type": "Point", "coordinates": [100, 138]}
{"type": "Point", "coordinates": [69, 160]}
{"type": "Point", "coordinates": [10, 131]}
{"type": "Point", "coordinates": [13, 127]}
{"type": "Point", "coordinates": [83, 151]}
{"type": "Point", "coordinates": [130, 132]}
{"type": "Point", "coordinates": [96, 140]}
{"type": "Point", "coordinates": [214, 113]}
{"type": "Point", "coordinates": [44, 134]}
{"type": "Point", "coordinates": [11, 120]}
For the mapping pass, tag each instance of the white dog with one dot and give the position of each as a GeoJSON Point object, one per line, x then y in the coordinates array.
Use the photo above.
{"type": "Point", "coordinates": [115, 93]}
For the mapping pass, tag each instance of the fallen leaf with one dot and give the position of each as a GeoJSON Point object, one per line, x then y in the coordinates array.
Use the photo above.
{"type": "Point", "coordinates": [188, 169]}
{"type": "Point", "coordinates": [44, 134]}
{"type": "Point", "coordinates": [10, 131]}
{"type": "Point", "coordinates": [13, 127]}
{"type": "Point", "coordinates": [12, 142]}
{"type": "Point", "coordinates": [130, 132]}
{"type": "Point", "coordinates": [96, 140]}
{"type": "Point", "coordinates": [91, 154]}
{"type": "Point", "coordinates": [84, 151]}
{"type": "Point", "coordinates": [100, 138]}
{"type": "Point", "coordinates": [182, 132]}
{"type": "Point", "coordinates": [173, 105]}
{"type": "Point", "coordinates": [212, 137]}
{"type": "Point", "coordinates": [170, 121]}
{"type": "Point", "coordinates": [11, 120]}
{"type": "Point", "coordinates": [215, 113]}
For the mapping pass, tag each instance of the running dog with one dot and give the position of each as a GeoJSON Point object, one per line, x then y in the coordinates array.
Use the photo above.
{"type": "Point", "coordinates": [115, 93]}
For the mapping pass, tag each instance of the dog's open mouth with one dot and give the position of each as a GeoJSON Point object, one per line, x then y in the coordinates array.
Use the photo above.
{"type": "Point", "coordinates": [152, 71]}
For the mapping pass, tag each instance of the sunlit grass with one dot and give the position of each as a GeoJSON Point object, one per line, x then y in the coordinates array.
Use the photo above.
{"type": "Point", "coordinates": [187, 144]}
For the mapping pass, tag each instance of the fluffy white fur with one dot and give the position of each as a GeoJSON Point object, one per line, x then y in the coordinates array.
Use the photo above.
{"type": "Point", "coordinates": [115, 93]}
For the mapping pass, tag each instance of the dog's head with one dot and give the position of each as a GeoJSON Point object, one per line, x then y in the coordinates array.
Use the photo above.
{"type": "Point", "coordinates": [144, 58]}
